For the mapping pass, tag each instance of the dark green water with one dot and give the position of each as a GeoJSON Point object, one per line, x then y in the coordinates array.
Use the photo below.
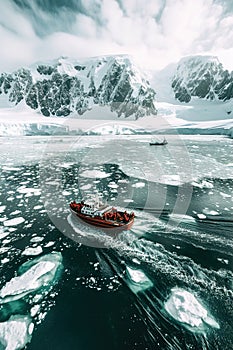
{"type": "Point", "coordinates": [93, 303]}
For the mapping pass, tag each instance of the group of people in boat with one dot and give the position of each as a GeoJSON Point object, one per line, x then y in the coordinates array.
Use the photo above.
{"type": "Point", "coordinates": [77, 206]}
{"type": "Point", "coordinates": [118, 216]}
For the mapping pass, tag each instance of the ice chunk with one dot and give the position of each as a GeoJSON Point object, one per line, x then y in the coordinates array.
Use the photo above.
{"type": "Point", "coordinates": [3, 234]}
{"type": "Point", "coordinates": [210, 212]}
{"type": "Point", "coordinates": [201, 216]}
{"type": "Point", "coordinates": [16, 332]}
{"type": "Point", "coordinates": [36, 239]}
{"type": "Point", "coordinates": [33, 275]}
{"type": "Point", "coordinates": [32, 251]}
{"type": "Point", "coordinates": [185, 308]}
{"type": "Point", "coordinates": [26, 190]}
{"type": "Point", "coordinates": [49, 244]}
{"type": "Point", "coordinates": [34, 310]}
{"type": "Point", "coordinates": [138, 280]}
{"type": "Point", "coordinates": [139, 184]}
{"type": "Point", "coordinates": [14, 222]}
{"type": "Point", "coordinates": [94, 174]}
{"type": "Point", "coordinates": [2, 208]}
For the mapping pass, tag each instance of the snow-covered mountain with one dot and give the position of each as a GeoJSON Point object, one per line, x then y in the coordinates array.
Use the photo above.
{"type": "Point", "coordinates": [65, 86]}
{"type": "Point", "coordinates": [203, 77]}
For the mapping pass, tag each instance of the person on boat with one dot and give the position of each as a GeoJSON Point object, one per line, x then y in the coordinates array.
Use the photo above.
{"type": "Point", "coordinates": [126, 217]}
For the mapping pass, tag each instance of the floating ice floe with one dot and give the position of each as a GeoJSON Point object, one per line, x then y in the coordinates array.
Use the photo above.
{"type": "Point", "coordinates": [224, 261]}
{"type": "Point", "coordinates": [3, 234]}
{"type": "Point", "coordinates": [16, 332]}
{"type": "Point", "coordinates": [7, 168]}
{"type": "Point", "coordinates": [32, 251]}
{"type": "Point", "coordinates": [86, 187]}
{"type": "Point", "coordinates": [201, 216]}
{"type": "Point", "coordinates": [94, 174]}
{"type": "Point", "coordinates": [14, 222]}
{"type": "Point", "coordinates": [15, 212]}
{"type": "Point", "coordinates": [202, 184]}
{"type": "Point", "coordinates": [185, 308]}
{"type": "Point", "coordinates": [210, 212]}
{"type": "Point", "coordinates": [139, 184]}
{"type": "Point", "coordinates": [138, 281]}
{"type": "Point", "coordinates": [38, 207]}
{"type": "Point", "coordinates": [33, 275]}
{"type": "Point", "coordinates": [66, 193]}
{"type": "Point", "coordinates": [2, 208]}
{"type": "Point", "coordinates": [36, 239]}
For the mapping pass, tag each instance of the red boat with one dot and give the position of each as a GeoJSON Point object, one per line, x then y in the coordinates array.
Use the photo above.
{"type": "Point", "coordinates": [103, 216]}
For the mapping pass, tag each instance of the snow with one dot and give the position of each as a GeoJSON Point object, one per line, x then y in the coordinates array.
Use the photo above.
{"type": "Point", "coordinates": [39, 273]}
{"type": "Point", "coordinates": [184, 307]}
{"type": "Point", "coordinates": [138, 280]}
{"type": "Point", "coordinates": [14, 222]}
{"type": "Point", "coordinates": [16, 332]}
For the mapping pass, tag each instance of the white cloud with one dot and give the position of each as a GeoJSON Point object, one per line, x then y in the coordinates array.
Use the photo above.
{"type": "Point", "coordinates": [155, 32]}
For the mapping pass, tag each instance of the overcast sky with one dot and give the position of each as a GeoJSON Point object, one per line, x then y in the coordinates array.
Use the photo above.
{"type": "Point", "coordinates": [154, 32]}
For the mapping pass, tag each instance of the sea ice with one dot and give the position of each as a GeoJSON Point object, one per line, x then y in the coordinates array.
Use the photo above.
{"type": "Point", "coordinates": [138, 280]}
{"type": "Point", "coordinates": [139, 184]}
{"type": "Point", "coordinates": [33, 275]}
{"type": "Point", "coordinates": [2, 208]}
{"type": "Point", "coordinates": [94, 174]}
{"type": "Point", "coordinates": [210, 212]}
{"type": "Point", "coordinates": [185, 308]}
{"type": "Point", "coordinates": [14, 222]}
{"type": "Point", "coordinates": [32, 251]}
{"type": "Point", "coordinates": [201, 216]}
{"type": "Point", "coordinates": [16, 332]}
{"type": "Point", "coordinates": [182, 218]}
{"type": "Point", "coordinates": [3, 234]}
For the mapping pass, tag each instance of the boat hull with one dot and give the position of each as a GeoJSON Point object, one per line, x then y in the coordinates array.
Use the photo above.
{"type": "Point", "coordinates": [103, 224]}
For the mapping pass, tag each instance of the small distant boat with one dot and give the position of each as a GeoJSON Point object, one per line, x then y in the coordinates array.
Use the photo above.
{"type": "Point", "coordinates": [154, 142]}
{"type": "Point", "coordinates": [102, 216]}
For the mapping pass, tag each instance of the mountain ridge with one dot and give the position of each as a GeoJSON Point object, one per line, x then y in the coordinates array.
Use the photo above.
{"type": "Point", "coordinates": [66, 86]}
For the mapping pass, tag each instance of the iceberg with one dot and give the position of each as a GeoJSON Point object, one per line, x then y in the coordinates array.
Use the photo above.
{"type": "Point", "coordinates": [138, 280]}
{"type": "Point", "coordinates": [33, 275]}
{"type": "Point", "coordinates": [186, 309]}
{"type": "Point", "coordinates": [16, 332]}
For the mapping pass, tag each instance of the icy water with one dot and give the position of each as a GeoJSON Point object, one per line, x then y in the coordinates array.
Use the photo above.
{"type": "Point", "coordinates": [165, 284]}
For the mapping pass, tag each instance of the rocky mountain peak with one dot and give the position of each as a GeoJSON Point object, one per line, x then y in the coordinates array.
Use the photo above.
{"type": "Point", "coordinates": [203, 77]}
{"type": "Point", "coordinates": [65, 86]}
